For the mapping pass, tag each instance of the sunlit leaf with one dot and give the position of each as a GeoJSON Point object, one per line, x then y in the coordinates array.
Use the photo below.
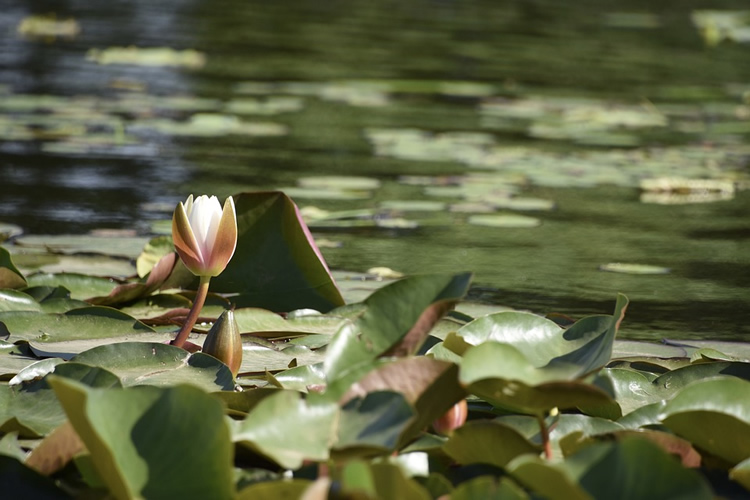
{"type": "Point", "coordinates": [13, 300]}
{"type": "Point", "coordinates": [139, 438]}
{"type": "Point", "coordinates": [712, 414]}
{"type": "Point", "coordinates": [139, 363]}
{"type": "Point", "coordinates": [10, 276]}
{"type": "Point", "coordinates": [78, 324]}
{"type": "Point", "coordinates": [273, 429]}
{"type": "Point", "coordinates": [396, 317]}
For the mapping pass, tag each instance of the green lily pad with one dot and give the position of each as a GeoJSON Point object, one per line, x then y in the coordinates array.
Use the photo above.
{"type": "Point", "coordinates": [273, 490]}
{"type": "Point", "coordinates": [518, 386]}
{"type": "Point", "coordinates": [13, 300]}
{"type": "Point", "coordinates": [139, 437]}
{"type": "Point", "coordinates": [259, 359]}
{"type": "Point", "coordinates": [619, 267]}
{"type": "Point", "coordinates": [397, 318]}
{"type": "Point", "coordinates": [373, 424]}
{"type": "Point", "coordinates": [264, 323]}
{"type": "Point", "coordinates": [489, 488]}
{"type": "Point", "coordinates": [354, 183]}
{"type": "Point", "coordinates": [631, 468]}
{"type": "Point", "coordinates": [273, 429]}
{"type": "Point", "coordinates": [489, 442]}
{"type": "Point", "coordinates": [504, 220]}
{"type": "Point", "coordinates": [147, 56]}
{"type": "Point", "coordinates": [712, 414]}
{"type": "Point", "coordinates": [281, 271]}
{"type": "Point", "coordinates": [741, 473]}
{"type": "Point", "coordinates": [78, 324]}
{"type": "Point", "coordinates": [124, 246]}
{"type": "Point", "coordinates": [139, 363]}
{"type": "Point", "coordinates": [80, 286]}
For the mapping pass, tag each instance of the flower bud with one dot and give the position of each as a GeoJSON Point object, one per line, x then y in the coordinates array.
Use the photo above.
{"type": "Point", "coordinates": [204, 234]}
{"type": "Point", "coordinates": [452, 419]}
{"type": "Point", "coordinates": [224, 341]}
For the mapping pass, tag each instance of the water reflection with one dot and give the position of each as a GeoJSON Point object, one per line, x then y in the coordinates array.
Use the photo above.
{"type": "Point", "coordinates": [547, 110]}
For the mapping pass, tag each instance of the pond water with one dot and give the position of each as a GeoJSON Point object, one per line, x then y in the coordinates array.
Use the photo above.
{"type": "Point", "coordinates": [506, 138]}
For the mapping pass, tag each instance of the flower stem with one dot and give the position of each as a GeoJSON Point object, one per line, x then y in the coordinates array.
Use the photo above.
{"type": "Point", "coordinates": [544, 431]}
{"type": "Point", "coordinates": [200, 299]}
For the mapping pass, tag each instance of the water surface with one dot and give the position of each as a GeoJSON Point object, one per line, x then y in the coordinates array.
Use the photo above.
{"type": "Point", "coordinates": [469, 105]}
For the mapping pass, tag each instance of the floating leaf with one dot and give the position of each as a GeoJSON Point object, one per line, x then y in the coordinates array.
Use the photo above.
{"type": "Point", "coordinates": [282, 270]}
{"type": "Point", "coordinates": [517, 385]}
{"type": "Point", "coordinates": [147, 56]}
{"type": "Point", "coordinates": [397, 317]}
{"type": "Point", "coordinates": [488, 488]}
{"type": "Point", "coordinates": [79, 286]}
{"type": "Point", "coordinates": [619, 267]}
{"type": "Point", "coordinates": [488, 442]}
{"type": "Point", "coordinates": [712, 414]}
{"type": "Point", "coordinates": [139, 437]}
{"type": "Point", "coordinates": [273, 429]}
{"type": "Point", "coordinates": [504, 220]}
{"type": "Point", "coordinates": [13, 300]}
{"type": "Point", "coordinates": [274, 490]}
{"type": "Point", "coordinates": [372, 424]}
{"type": "Point", "coordinates": [79, 324]}
{"type": "Point", "coordinates": [10, 276]}
{"type": "Point", "coordinates": [138, 363]}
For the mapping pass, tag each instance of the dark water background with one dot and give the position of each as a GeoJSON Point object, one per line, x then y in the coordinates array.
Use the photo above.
{"type": "Point", "coordinates": [623, 52]}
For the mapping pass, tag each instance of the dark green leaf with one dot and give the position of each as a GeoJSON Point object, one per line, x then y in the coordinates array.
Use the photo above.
{"type": "Point", "coordinates": [488, 442]}
{"type": "Point", "coordinates": [277, 265]}
{"type": "Point", "coordinates": [22, 482]}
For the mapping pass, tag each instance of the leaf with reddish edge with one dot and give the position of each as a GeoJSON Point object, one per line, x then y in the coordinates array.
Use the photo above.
{"type": "Point", "coordinates": [397, 319]}
{"type": "Point", "coordinates": [428, 384]}
{"type": "Point", "coordinates": [129, 292]}
{"type": "Point", "coordinates": [10, 276]}
{"type": "Point", "coordinates": [277, 265]}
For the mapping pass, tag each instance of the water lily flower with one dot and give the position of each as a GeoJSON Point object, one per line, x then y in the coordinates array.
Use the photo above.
{"type": "Point", "coordinates": [204, 234]}
{"type": "Point", "coordinates": [205, 237]}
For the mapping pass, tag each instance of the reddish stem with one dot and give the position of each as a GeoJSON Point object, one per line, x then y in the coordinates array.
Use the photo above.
{"type": "Point", "coordinates": [544, 431]}
{"type": "Point", "coordinates": [200, 299]}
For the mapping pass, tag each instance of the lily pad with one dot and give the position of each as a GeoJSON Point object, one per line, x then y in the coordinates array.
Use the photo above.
{"type": "Point", "coordinates": [10, 276]}
{"type": "Point", "coordinates": [619, 267]}
{"type": "Point", "coordinates": [272, 429]}
{"type": "Point", "coordinates": [144, 363]}
{"type": "Point", "coordinates": [504, 220]}
{"type": "Point", "coordinates": [281, 271]}
{"type": "Point", "coordinates": [711, 414]}
{"type": "Point", "coordinates": [139, 436]}
{"type": "Point", "coordinates": [78, 324]}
